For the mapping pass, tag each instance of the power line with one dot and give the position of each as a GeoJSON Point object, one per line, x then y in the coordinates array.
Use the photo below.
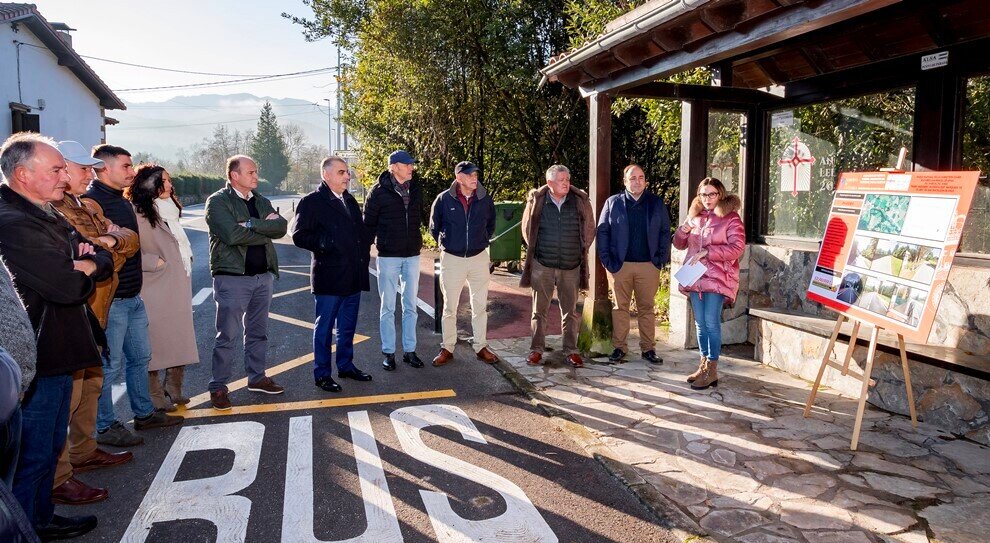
{"type": "Point", "coordinates": [217, 107]}
{"type": "Point", "coordinates": [304, 73]}
{"type": "Point", "coordinates": [255, 119]}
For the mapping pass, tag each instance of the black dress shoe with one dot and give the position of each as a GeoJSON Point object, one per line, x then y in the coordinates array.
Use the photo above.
{"type": "Point", "coordinates": [328, 384]}
{"type": "Point", "coordinates": [355, 374]}
{"type": "Point", "coordinates": [412, 360]}
{"type": "Point", "coordinates": [616, 355]}
{"type": "Point", "coordinates": [651, 357]}
{"type": "Point", "coordinates": [66, 527]}
{"type": "Point", "coordinates": [389, 362]}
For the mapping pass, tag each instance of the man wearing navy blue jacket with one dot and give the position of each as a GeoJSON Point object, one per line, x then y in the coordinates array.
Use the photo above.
{"type": "Point", "coordinates": [462, 221]}
{"type": "Point", "coordinates": [633, 241]}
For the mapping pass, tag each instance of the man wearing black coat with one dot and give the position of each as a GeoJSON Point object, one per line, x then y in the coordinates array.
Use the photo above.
{"type": "Point", "coordinates": [54, 271]}
{"type": "Point", "coordinates": [328, 223]}
{"type": "Point", "coordinates": [393, 215]}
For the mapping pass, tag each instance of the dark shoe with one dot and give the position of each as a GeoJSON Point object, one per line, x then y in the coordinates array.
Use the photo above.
{"type": "Point", "coordinates": [617, 354]}
{"type": "Point", "coordinates": [328, 384]}
{"type": "Point", "coordinates": [442, 358]}
{"type": "Point", "coordinates": [66, 527]}
{"type": "Point", "coordinates": [117, 435]}
{"type": "Point", "coordinates": [708, 377]}
{"type": "Point", "coordinates": [266, 385]}
{"type": "Point", "coordinates": [412, 360]}
{"type": "Point", "coordinates": [76, 492]}
{"type": "Point", "coordinates": [220, 400]}
{"type": "Point", "coordinates": [355, 374]}
{"type": "Point", "coordinates": [575, 360]}
{"type": "Point", "coordinates": [651, 357]}
{"type": "Point", "coordinates": [487, 356]}
{"type": "Point", "coordinates": [157, 419]}
{"type": "Point", "coordinates": [178, 399]}
{"type": "Point", "coordinates": [389, 362]}
{"type": "Point", "coordinates": [102, 459]}
{"type": "Point", "coordinates": [535, 358]}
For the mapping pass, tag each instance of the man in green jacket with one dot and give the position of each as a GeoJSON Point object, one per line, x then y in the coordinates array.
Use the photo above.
{"type": "Point", "coordinates": [243, 263]}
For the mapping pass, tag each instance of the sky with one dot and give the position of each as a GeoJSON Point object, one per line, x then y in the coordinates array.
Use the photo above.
{"type": "Point", "coordinates": [248, 37]}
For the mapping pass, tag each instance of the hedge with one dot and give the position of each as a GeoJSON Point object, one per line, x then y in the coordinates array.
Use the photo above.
{"type": "Point", "coordinates": [193, 188]}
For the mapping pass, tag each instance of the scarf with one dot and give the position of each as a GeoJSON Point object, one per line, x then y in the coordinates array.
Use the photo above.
{"type": "Point", "coordinates": [169, 214]}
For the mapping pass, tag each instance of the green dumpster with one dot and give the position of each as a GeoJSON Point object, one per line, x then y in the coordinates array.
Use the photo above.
{"type": "Point", "coordinates": [506, 244]}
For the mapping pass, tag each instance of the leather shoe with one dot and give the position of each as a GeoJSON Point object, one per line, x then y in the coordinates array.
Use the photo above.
{"type": "Point", "coordinates": [651, 357]}
{"type": "Point", "coordinates": [66, 527]}
{"type": "Point", "coordinates": [75, 492]}
{"type": "Point", "coordinates": [487, 356]}
{"type": "Point", "coordinates": [328, 384]}
{"type": "Point", "coordinates": [389, 362]}
{"type": "Point", "coordinates": [617, 354]}
{"type": "Point", "coordinates": [575, 360]}
{"type": "Point", "coordinates": [355, 374]}
{"type": "Point", "coordinates": [442, 358]}
{"type": "Point", "coordinates": [534, 358]}
{"type": "Point", "coordinates": [412, 360]}
{"type": "Point", "coordinates": [102, 459]}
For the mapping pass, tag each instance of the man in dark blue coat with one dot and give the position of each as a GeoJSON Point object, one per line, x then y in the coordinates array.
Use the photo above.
{"type": "Point", "coordinates": [328, 223]}
{"type": "Point", "coordinates": [633, 242]}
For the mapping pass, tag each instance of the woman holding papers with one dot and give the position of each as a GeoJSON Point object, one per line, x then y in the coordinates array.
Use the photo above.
{"type": "Point", "coordinates": [714, 236]}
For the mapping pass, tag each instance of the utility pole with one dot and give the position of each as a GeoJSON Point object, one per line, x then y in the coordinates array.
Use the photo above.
{"type": "Point", "coordinates": [329, 126]}
{"type": "Point", "coordinates": [338, 102]}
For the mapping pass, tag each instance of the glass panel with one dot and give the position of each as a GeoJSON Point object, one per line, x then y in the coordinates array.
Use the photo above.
{"type": "Point", "coordinates": [726, 148]}
{"type": "Point", "coordinates": [976, 156]}
{"type": "Point", "coordinates": [811, 145]}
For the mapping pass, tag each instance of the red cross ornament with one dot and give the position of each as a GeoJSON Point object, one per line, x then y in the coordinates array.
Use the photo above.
{"type": "Point", "coordinates": [794, 156]}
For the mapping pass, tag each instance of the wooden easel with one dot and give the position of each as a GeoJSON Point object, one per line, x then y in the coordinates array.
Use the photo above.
{"type": "Point", "coordinates": [864, 376]}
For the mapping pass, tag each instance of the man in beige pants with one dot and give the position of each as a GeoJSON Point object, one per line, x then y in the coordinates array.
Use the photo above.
{"type": "Point", "coordinates": [462, 221]}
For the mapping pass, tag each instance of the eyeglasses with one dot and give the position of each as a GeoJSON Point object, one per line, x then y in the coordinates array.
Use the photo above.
{"type": "Point", "coordinates": [708, 195]}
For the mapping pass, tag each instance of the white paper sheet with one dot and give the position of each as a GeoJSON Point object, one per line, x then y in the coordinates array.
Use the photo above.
{"type": "Point", "coordinates": [688, 274]}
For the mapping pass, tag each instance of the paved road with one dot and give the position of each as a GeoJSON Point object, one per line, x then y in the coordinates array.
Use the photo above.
{"type": "Point", "coordinates": [447, 454]}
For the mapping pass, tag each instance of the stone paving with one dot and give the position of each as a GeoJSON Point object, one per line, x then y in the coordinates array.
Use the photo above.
{"type": "Point", "coordinates": [740, 463]}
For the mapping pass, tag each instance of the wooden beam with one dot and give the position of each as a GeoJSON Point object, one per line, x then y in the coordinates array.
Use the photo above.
{"type": "Point", "coordinates": [683, 91]}
{"type": "Point", "coordinates": [599, 175]}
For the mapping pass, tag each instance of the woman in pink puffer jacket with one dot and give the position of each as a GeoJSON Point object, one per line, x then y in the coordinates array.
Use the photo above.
{"type": "Point", "coordinates": [713, 234]}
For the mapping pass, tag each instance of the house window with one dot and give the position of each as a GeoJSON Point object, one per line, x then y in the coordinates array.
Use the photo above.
{"type": "Point", "coordinates": [976, 156]}
{"type": "Point", "coordinates": [811, 145]}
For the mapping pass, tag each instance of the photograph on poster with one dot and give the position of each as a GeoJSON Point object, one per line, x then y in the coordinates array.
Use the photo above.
{"type": "Point", "coordinates": [928, 217]}
{"type": "Point", "coordinates": [919, 262]}
{"type": "Point", "coordinates": [850, 288]}
{"type": "Point", "coordinates": [884, 213]}
{"type": "Point", "coordinates": [882, 258]}
{"type": "Point", "coordinates": [876, 295]}
{"type": "Point", "coordinates": [861, 250]}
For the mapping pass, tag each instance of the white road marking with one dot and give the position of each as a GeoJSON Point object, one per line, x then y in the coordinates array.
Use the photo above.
{"type": "Point", "coordinates": [422, 305]}
{"type": "Point", "coordinates": [201, 296]}
{"type": "Point", "coordinates": [521, 519]}
{"type": "Point", "coordinates": [117, 391]}
{"type": "Point", "coordinates": [298, 511]}
{"type": "Point", "coordinates": [210, 498]}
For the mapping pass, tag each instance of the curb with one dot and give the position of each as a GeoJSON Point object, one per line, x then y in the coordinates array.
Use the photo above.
{"type": "Point", "coordinates": [665, 512]}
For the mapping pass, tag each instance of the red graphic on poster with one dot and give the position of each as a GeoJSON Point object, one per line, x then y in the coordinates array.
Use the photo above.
{"type": "Point", "coordinates": [796, 158]}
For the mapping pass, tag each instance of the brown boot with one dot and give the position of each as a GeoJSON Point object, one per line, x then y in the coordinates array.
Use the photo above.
{"type": "Point", "coordinates": [173, 385]}
{"type": "Point", "coordinates": [701, 368]}
{"type": "Point", "coordinates": [708, 377]}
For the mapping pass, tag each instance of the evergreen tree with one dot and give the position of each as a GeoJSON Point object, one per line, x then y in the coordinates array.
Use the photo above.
{"type": "Point", "coordinates": [268, 148]}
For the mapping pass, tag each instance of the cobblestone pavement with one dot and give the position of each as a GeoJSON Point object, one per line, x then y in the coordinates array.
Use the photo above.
{"type": "Point", "coordinates": [740, 463]}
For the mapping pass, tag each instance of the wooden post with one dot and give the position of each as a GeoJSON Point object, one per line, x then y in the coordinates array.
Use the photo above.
{"type": "Point", "coordinates": [821, 369]}
{"type": "Point", "coordinates": [864, 391]}
{"type": "Point", "coordinates": [907, 380]}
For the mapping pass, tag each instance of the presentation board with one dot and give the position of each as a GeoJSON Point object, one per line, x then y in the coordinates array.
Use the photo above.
{"type": "Point", "coordinates": [888, 246]}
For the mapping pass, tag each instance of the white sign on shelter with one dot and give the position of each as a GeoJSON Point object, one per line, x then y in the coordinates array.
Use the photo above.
{"type": "Point", "coordinates": [795, 167]}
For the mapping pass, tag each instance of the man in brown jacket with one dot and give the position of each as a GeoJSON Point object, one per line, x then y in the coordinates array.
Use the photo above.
{"type": "Point", "coordinates": [558, 226]}
{"type": "Point", "coordinates": [80, 452]}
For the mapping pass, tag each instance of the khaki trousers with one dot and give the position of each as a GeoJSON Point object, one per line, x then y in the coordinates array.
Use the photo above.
{"type": "Point", "coordinates": [642, 280]}
{"type": "Point", "coordinates": [454, 271]}
{"type": "Point", "coordinates": [172, 386]}
{"type": "Point", "coordinates": [567, 282]}
{"type": "Point", "coordinates": [80, 445]}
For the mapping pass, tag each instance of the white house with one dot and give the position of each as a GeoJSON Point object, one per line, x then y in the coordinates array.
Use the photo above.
{"type": "Point", "coordinates": [48, 87]}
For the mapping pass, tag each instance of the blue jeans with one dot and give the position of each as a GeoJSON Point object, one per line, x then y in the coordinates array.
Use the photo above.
{"type": "Point", "coordinates": [45, 411]}
{"type": "Point", "coordinates": [331, 311]}
{"type": "Point", "coordinates": [397, 274]}
{"type": "Point", "coordinates": [707, 308]}
{"type": "Point", "coordinates": [130, 348]}
{"type": "Point", "coordinates": [10, 444]}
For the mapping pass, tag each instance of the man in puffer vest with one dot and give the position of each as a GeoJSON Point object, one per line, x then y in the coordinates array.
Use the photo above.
{"type": "Point", "coordinates": [558, 227]}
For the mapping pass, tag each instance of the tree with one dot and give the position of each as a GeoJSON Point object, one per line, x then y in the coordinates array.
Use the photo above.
{"type": "Point", "coordinates": [210, 156]}
{"type": "Point", "coordinates": [268, 148]}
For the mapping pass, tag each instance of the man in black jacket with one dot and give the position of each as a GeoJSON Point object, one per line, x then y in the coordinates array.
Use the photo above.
{"type": "Point", "coordinates": [328, 224]}
{"type": "Point", "coordinates": [392, 214]}
{"type": "Point", "coordinates": [462, 221]}
{"type": "Point", "coordinates": [54, 271]}
{"type": "Point", "coordinates": [127, 322]}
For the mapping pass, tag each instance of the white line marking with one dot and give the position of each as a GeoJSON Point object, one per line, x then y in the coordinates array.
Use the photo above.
{"type": "Point", "coordinates": [201, 296]}
{"type": "Point", "coordinates": [420, 303]}
{"type": "Point", "coordinates": [117, 391]}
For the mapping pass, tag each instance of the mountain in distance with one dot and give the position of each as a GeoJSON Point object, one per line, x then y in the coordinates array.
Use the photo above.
{"type": "Point", "coordinates": [171, 128]}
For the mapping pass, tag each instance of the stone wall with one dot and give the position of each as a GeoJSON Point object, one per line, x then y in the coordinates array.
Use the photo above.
{"type": "Point", "coordinates": [735, 319]}
{"type": "Point", "coordinates": [778, 279]}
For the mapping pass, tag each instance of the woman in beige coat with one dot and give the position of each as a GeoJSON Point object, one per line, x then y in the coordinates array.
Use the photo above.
{"type": "Point", "coordinates": [167, 287]}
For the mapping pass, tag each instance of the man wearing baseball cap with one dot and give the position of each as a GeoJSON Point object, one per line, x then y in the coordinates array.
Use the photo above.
{"type": "Point", "coordinates": [393, 214]}
{"type": "Point", "coordinates": [81, 452]}
{"type": "Point", "coordinates": [462, 221]}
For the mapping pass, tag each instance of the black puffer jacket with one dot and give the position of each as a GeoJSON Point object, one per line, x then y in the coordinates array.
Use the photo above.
{"type": "Point", "coordinates": [121, 213]}
{"type": "Point", "coordinates": [394, 227]}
